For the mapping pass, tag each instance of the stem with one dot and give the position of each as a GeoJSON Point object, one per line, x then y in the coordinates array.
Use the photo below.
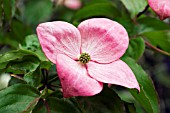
{"type": "Point", "coordinates": [45, 76]}
{"type": "Point", "coordinates": [16, 76]}
{"type": "Point", "coordinates": [146, 8]}
{"type": "Point", "coordinates": [47, 106]}
{"type": "Point", "coordinates": [53, 79]}
{"type": "Point", "coordinates": [157, 49]}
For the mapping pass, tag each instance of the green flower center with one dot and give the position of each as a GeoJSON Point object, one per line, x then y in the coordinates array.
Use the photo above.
{"type": "Point", "coordinates": [84, 58]}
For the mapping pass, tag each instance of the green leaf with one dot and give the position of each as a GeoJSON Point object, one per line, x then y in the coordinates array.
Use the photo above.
{"type": "Point", "coordinates": [56, 105]}
{"type": "Point", "coordinates": [32, 44]}
{"type": "Point", "coordinates": [134, 6]}
{"type": "Point", "coordinates": [60, 105]}
{"type": "Point", "coordinates": [37, 11]}
{"type": "Point", "coordinates": [13, 55]}
{"type": "Point", "coordinates": [7, 9]}
{"type": "Point", "coordinates": [3, 65]}
{"type": "Point", "coordinates": [136, 48]}
{"type": "Point", "coordinates": [159, 39]}
{"type": "Point", "coordinates": [6, 40]}
{"type": "Point", "coordinates": [105, 102]}
{"type": "Point", "coordinates": [1, 12]}
{"type": "Point", "coordinates": [148, 96]}
{"type": "Point", "coordinates": [148, 24]}
{"type": "Point", "coordinates": [13, 7]}
{"type": "Point", "coordinates": [40, 107]}
{"type": "Point", "coordinates": [18, 30]}
{"type": "Point", "coordinates": [19, 98]}
{"type": "Point", "coordinates": [22, 66]}
{"type": "Point", "coordinates": [26, 65]}
{"type": "Point", "coordinates": [15, 80]}
{"type": "Point", "coordinates": [33, 77]}
{"type": "Point", "coordinates": [45, 65]}
{"type": "Point", "coordinates": [94, 1]}
{"type": "Point", "coordinates": [98, 9]}
{"type": "Point", "coordinates": [130, 108]}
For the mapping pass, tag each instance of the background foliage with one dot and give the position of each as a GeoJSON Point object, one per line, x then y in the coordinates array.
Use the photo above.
{"type": "Point", "coordinates": [32, 83]}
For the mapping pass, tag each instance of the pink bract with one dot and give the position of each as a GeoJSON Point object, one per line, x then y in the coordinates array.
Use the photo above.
{"type": "Point", "coordinates": [161, 8]}
{"type": "Point", "coordinates": [103, 39]}
{"type": "Point", "coordinates": [72, 4]}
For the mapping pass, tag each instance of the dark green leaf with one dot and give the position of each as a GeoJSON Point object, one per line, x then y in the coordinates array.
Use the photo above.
{"type": "Point", "coordinates": [60, 105]}
{"type": "Point", "coordinates": [6, 40]}
{"type": "Point", "coordinates": [41, 107]}
{"type": "Point", "coordinates": [148, 24]}
{"type": "Point", "coordinates": [13, 7]}
{"type": "Point", "coordinates": [3, 65]}
{"type": "Point", "coordinates": [134, 6]}
{"type": "Point", "coordinates": [37, 11]}
{"type": "Point", "coordinates": [98, 9]}
{"type": "Point", "coordinates": [130, 108]}
{"type": "Point", "coordinates": [13, 55]}
{"type": "Point", "coordinates": [45, 65]}
{"type": "Point", "coordinates": [22, 66]}
{"type": "Point", "coordinates": [7, 9]}
{"type": "Point", "coordinates": [15, 80]}
{"type": "Point", "coordinates": [55, 105]}
{"type": "Point", "coordinates": [19, 98]}
{"type": "Point", "coordinates": [1, 13]}
{"type": "Point", "coordinates": [33, 77]}
{"type": "Point", "coordinates": [136, 48]}
{"type": "Point", "coordinates": [128, 99]}
{"type": "Point", "coordinates": [105, 102]}
{"type": "Point", "coordinates": [15, 33]}
{"type": "Point", "coordinates": [18, 31]}
{"type": "Point", "coordinates": [27, 66]}
{"type": "Point", "coordinates": [160, 39]}
{"type": "Point", "coordinates": [148, 96]}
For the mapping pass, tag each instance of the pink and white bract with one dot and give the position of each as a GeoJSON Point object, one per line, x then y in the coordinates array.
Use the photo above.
{"type": "Point", "coordinates": [71, 4]}
{"type": "Point", "coordinates": [161, 7]}
{"type": "Point", "coordinates": [104, 40]}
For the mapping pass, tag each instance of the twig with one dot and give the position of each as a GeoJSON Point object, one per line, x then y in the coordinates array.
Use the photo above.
{"type": "Point", "coordinates": [157, 49]}
{"type": "Point", "coordinates": [47, 106]}
{"type": "Point", "coordinates": [16, 76]}
{"type": "Point", "coordinates": [53, 79]}
{"type": "Point", "coordinates": [146, 8]}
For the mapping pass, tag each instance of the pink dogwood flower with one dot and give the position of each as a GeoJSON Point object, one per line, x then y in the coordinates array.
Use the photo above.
{"type": "Point", "coordinates": [71, 4]}
{"type": "Point", "coordinates": [87, 56]}
{"type": "Point", "coordinates": [161, 8]}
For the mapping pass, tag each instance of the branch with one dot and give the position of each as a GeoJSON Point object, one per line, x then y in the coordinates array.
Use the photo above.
{"type": "Point", "coordinates": [146, 8]}
{"type": "Point", "coordinates": [157, 49]}
{"type": "Point", "coordinates": [47, 106]}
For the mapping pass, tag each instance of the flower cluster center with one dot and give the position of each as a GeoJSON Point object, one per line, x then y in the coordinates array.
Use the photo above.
{"type": "Point", "coordinates": [84, 58]}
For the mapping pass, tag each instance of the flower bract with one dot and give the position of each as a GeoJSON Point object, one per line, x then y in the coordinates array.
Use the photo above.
{"type": "Point", "coordinates": [87, 56]}
{"type": "Point", "coordinates": [161, 7]}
